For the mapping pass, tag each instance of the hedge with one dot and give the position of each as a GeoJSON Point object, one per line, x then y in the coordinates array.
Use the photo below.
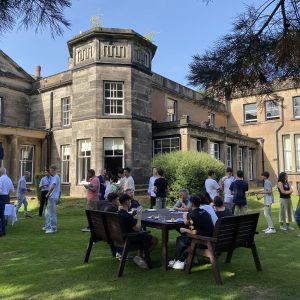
{"type": "Point", "coordinates": [187, 169]}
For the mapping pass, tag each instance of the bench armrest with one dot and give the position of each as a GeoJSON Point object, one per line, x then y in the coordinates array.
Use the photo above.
{"type": "Point", "coordinates": [201, 237]}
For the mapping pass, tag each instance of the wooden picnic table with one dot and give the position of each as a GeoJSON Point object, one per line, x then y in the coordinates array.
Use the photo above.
{"type": "Point", "coordinates": [160, 219]}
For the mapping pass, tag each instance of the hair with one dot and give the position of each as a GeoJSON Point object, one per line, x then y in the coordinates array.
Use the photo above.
{"type": "Point", "coordinates": [108, 175]}
{"type": "Point", "coordinates": [123, 198]}
{"type": "Point", "coordinates": [91, 172]}
{"type": "Point", "coordinates": [282, 177]}
{"type": "Point", "coordinates": [229, 170]}
{"type": "Point", "coordinates": [184, 191]}
{"type": "Point", "coordinates": [218, 201]}
{"type": "Point", "coordinates": [53, 167]}
{"type": "Point", "coordinates": [195, 200]}
{"type": "Point", "coordinates": [160, 172]}
{"type": "Point", "coordinates": [3, 171]}
{"type": "Point", "coordinates": [112, 196]}
{"type": "Point", "coordinates": [204, 198]}
{"type": "Point", "coordinates": [47, 170]}
{"type": "Point", "coordinates": [211, 172]}
{"type": "Point", "coordinates": [120, 171]}
{"type": "Point", "coordinates": [240, 174]}
{"type": "Point", "coordinates": [129, 189]}
{"type": "Point", "coordinates": [127, 169]}
{"type": "Point", "coordinates": [114, 179]}
{"type": "Point", "coordinates": [265, 174]}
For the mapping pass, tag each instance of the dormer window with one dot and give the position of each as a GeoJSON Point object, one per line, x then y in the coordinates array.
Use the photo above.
{"type": "Point", "coordinates": [171, 110]}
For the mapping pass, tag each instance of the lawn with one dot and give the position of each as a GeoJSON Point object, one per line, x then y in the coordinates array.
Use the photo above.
{"type": "Point", "coordinates": [39, 266]}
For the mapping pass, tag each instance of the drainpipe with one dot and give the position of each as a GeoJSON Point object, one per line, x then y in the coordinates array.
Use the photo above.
{"type": "Point", "coordinates": [276, 135]}
{"type": "Point", "coordinates": [49, 134]}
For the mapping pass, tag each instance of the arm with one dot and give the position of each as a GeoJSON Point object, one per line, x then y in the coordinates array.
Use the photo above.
{"type": "Point", "coordinates": [280, 187]}
{"type": "Point", "coordinates": [138, 224]}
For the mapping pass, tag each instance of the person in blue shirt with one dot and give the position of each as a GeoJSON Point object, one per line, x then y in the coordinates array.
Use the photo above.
{"type": "Point", "coordinates": [44, 188]}
{"type": "Point", "coordinates": [21, 193]}
{"type": "Point", "coordinates": [53, 197]}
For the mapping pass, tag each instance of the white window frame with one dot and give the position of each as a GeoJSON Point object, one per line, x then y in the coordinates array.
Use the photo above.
{"type": "Point", "coordinates": [240, 159]}
{"type": "Point", "coordinates": [229, 156]}
{"type": "Point", "coordinates": [249, 111]}
{"type": "Point", "coordinates": [211, 119]}
{"type": "Point", "coordinates": [25, 160]}
{"type": "Point", "coordinates": [273, 108]}
{"type": "Point", "coordinates": [250, 167]}
{"type": "Point", "coordinates": [112, 101]}
{"type": "Point", "coordinates": [296, 107]}
{"type": "Point", "coordinates": [159, 150]}
{"type": "Point", "coordinates": [86, 145]}
{"type": "Point", "coordinates": [66, 111]}
{"type": "Point", "coordinates": [1, 109]}
{"type": "Point", "coordinates": [297, 151]}
{"type": "Point", "coordinates": [65, 160]}
{"type": "Point", "coordinates": [114, 147]}
{"type": "Point", "coordinates": [214, 150]}
{"type": "Point", "coordinates": [287, 153]}
{"type": "Point", "coordinates": [171, 112]}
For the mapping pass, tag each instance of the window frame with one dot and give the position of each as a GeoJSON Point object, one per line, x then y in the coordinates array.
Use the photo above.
{"type": "Point", "coordinates": [250, 165]}
{"type": "Point", "coordinates": [229, 165]}
{"type": "Point", "coordinates": [21, 161]}
{"type": "Point", "coordinates": [63, 161]}
{"type": "Point", "coordinates": [113, 99]}
{"type": "Point", "coordinates": [294, 98]}
{"type": "Point", "coordinates": [66, 114]}
{"type": "Point", "coordinates": [284, 151]}
{"type": "Point", "coordinates": [297, 152]}
{"type": "Point", "coordinates": [1, 109]}
{"type": "Point", "coordinates": [214, 151]}
{"type": "Point", "coordinates": [161, 148]}
{"type": "Point", "coordinates": [240, 159]}
{"type": "Point", "coordinates": [245, 112]}
{"type": "Point", "coordinates": [172, 117]}
{"type": "Point", "coordinates": [87, 158]}
{"type": "Point", "coordinates": [211, 119]}
{"type": "Point", "coordinates": [266, 111]}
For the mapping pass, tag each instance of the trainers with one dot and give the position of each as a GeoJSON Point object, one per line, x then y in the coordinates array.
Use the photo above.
{"type": "Point", "coordinates": [290, 228]}
{"type": "Point", "coordinates": [178, 265]}
{"type": "Point", "coordinates": [50, 231]}
{"type": "Point", "coordinates": [140, 262]}
{"type": "Point", "coordinates": [282, 227]}
{"type": "Point", "coordinates": [28, 216]}
{"type": "Point", "coordinates": [118, 255]}
{"type": "Point", "coordinates": [44, 228]}
{"type": "Point", "coordinates": [271, 230]}
{"type": "Point", "coordinates": [86, 229]}
{"type": "Point", "coordinates": [171, 263]}
{"type": "Point", "coordinates": [264, 230]}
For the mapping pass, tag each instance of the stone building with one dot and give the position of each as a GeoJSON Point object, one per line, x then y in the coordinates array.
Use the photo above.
{"type": "Point", "coordinates": [109, 110]}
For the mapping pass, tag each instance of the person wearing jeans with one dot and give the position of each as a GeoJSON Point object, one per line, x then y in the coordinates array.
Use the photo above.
{"type": "Point", "coordinates": [53, 196]}
{"type": "Point", "coordinates": [160, 189]}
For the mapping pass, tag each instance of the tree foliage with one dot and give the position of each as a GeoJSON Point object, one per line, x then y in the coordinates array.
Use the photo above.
{"type": "Point", "coordinates": [261, 52]}
{"type": "Point", "coordinates": [34, 13]}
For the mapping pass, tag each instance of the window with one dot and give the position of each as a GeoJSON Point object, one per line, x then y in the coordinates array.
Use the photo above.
{"type": "Point", "coordinates": [240, 159]}
{"type": "Point", "coordinates": [272, 110]}
{"type": "Point", "coordinates": [65, 163]}
{"type": "Point", "coordinates": [297, 149]}
{"type": "Point", "coordinates": [199, 145]}
{"type": "Point", "coordinates": [250, 167]}
{"type": "Point", "coordinates": [211, 119]}
{"type": "Point", "coordinates": [26, 160]}
{"type": "Point", "coordinates": [215, 150]}
{"type": "Point", "coordinates": [66, 111]}
{"type": "Point", "coordinates": [287, 153]}
{"type": "Point", "coordinates": [296, 104]}
{"type": "Point", "coordinates": [83, 159]}
{"type": "Point", "coordinates": [250, 113]}
{"type": "Point", "coordinates": [113, 98]}
{"type": "Point", "coordinates": [113, 154]}
{"type": "Point", "coordinates": [1, 110]}
{"type": "Point", "coordinates": [171, 109]}
{"type": "Point", "coordinates": [1, 155]}
{"type": "Point", "coordinates": [229, 157]}
{"type": "Point", "coordinates": [166, 145]}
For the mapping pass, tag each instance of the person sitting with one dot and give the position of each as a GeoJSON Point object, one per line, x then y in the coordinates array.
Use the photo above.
{"type": "Point", "coordinates": [200, 223]}
{"type": "Point", "coordinates": [183, 204]}
{"type": "Point", "coordinates": [133, 224]}
{"type": "Point", "coordinates": [206, 206]}
{"type": "Point", "coordinates": [134, 203]}
{"type": "Point", "coordinates": [113, 203]}
{"type": "Point", "coordinates": [220, 209]}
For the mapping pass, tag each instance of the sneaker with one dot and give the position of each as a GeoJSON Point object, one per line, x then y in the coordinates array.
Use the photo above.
{"type": "Point", "coordinates": [264, 230]}
{"type": "Point", "coordinates": [282, 227]}
{"type": "Point", "coordinates": [178, 265]}
{"type": "Point", "coordinates": [28, 216]}
{"type": "Point", "coordinates": [271, 230]}
{"type": "Point", "coordinates": [50, 231]}
{"type": "Point", "coordinates": [140, 262]}
{"type": "Point", "coordinates": [299, 235]}
{"type": "Point", "coordinates": [171, 263]}
{"type": "Point", "coordinates": [118, 255]}
{"type": "Point", "coordinates": [86, 229]}
{"type": "Point", "coordinates": [44, 228]}
{"type": "Point", "coordinates": [290, 228]}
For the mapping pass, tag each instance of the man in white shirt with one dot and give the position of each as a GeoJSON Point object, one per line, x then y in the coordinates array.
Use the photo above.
{"type": "Point", "coordinates": [226, 181]}
{"type": "Point", "coordinates": [128, 181]}
{"type": "Point", "coordinates": [21, 193]}
{"type": "Point", "coordinates": [211, 186]}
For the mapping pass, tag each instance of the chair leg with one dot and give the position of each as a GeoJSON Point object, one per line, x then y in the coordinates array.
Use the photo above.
{"type": "Point", "coordinates": [147, 257]}
{"type": "Point", "coordinates": [88, 250]}
{"type": "Point", "coordinates": [123, 260]}
{"type": "Point", "coordinates": [256, 258]}
{"type": "Point", "coordinates": [113, 250]}
{"type": "Point", "coordinates": [190, 257]}
{"type": "Point", "coordinates": [228, 257]}
{"type": "Point", "coordinates": [214, 263]}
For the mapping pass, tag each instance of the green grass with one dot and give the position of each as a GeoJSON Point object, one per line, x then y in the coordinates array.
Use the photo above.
{"type": "Point", "coordinates": [38, 266]}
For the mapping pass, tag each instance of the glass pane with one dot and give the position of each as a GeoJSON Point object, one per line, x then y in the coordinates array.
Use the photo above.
{"type": "Point", "coordinates": [175, 142]}
{"type": "Point", "coordinates": [165, 143]}
{"type": "Point", "coordinates": [157, 143]}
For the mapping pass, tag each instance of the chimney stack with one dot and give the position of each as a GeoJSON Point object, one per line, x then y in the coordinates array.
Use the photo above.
{"type": "Point", "coordinates": [38, 71]}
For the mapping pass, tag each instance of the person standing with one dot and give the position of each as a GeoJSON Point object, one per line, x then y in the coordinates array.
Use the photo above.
{"type": "Point", "coordinates": [128, 181]}
{"type": "Point", "coordinates": [6, 187]}
{"type": "Point", "coordinates": [53, 197]}
{"type": "Point", "coordinates": [151, 187]}
{"type": "Point", "coordinates": [21, 193]}
{"type": "Point", "coordinates": [44, 187]}
{"type": "Point", "coordinates": [211, 185]}
{"type": "Point", "coordinates": [225, 182]}
{"type": "Point", "coordinates": [160, 189]}
{"type": "Point", "coordinates": [239, 188]}
{"type": "Point", "coordinates": [121, 180]}
{"type": "Point", "coordinates": [285, 208]}
{"type": "Point", "coordinates": [101, 178]}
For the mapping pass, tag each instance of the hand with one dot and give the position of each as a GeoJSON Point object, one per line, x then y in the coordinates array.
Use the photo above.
{"type": "Point", "coordinates": [183, 230]}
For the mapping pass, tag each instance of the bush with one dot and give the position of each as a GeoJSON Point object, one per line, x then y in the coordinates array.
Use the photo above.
{"type": "Point", "coordinates": [187, 170]}
{"type": "Point", "coordinates": [37, 179]}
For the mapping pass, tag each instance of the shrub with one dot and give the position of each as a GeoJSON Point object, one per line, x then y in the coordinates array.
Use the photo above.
{"type": "Point", "coordinates": [37, 179]}
{"type": "Point", "coordinates": [187, 170]}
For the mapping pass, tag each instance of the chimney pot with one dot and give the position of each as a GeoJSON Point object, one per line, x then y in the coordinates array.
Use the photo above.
{"type": "Point", "coordinates": [38, 71]}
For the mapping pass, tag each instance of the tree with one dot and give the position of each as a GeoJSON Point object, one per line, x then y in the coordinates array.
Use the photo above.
{"type": "Point", "coordinates": [34, 13]}
{"type": "Point", "coordinates": [260, 54]}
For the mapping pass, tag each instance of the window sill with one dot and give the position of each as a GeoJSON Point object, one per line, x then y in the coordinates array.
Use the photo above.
{"type": "Point", "coordinates": [295, 119]}
{"type": "Point", "coordinates": [66, 126]}
{"type": "Point", "coordinates": [250, 123]}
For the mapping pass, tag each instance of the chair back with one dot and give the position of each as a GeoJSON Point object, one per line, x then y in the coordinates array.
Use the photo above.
{"type": "Point", "coordinates": [246, 230]}
{"type": "Point", "coordinates": [115, 228]}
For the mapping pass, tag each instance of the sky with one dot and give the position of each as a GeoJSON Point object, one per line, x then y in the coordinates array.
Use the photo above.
{"type": "Point", "coordinates": [182, 28]}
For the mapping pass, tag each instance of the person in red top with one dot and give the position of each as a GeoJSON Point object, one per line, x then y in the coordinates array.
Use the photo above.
{"type": "Point", "coordinates": [93, 189]}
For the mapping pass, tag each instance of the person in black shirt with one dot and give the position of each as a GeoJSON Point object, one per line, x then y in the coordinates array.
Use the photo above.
{"type": "Point", "coordinates": [134, 204]}
{"type": "Point", "coordinates": [200, 223]}
{"type": "Point", "coordinates": [160, 189]}
{"type": "Point", "coordinates": [221, 210]}
{"type": "Point", "coordinates": [113, 203]}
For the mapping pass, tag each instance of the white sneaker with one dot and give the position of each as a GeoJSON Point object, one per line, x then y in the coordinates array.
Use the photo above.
{"type": "Point", "coordinates": [271, 230]}
{"type": "Point", "coordinates": [264, 230]}
{"type": "Point", "coordinates": [44, 228]}
{"type": "Point", "coordinates": [178, 265]}
{"type": "Point", "coordinates": [282, 227]}
{"type": "Point", "coordinates": [118, 255]}
{"type": "Point", "coordinates": [171, 263]}
{"type": "Point", "coordinates": [290, 228]}
{"type": "Point", "coordinates": [50, 231]}
{"type": "Point", "coordinates": [86, 229]}
{"type": "Point", "coordinates": [140, 262]}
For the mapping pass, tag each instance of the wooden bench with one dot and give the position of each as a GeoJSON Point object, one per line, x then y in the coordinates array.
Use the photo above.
{"type": "Point", "coordinates": [108, 227]}
{"type": "Point", "coordinates": [229, 234]}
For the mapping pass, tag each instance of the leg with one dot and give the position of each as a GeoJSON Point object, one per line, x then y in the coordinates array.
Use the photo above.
{"type": "Point", "coordinates": [164, 242]}
{"type": "Point", "coordinates": [2, 217]}
{"type": "Point", "coordinates": [152, 202]}
{"type": "Point", "coordinates": [19, 204]}
{"type": "Point", "coordinates": [25, 206]}
{"type": "Point", "coordinates": [228, 257]}
{"type": "Point", "coordinates": [268, 215]}
{"type": "Point", "coordinates": [42, 203]}
{"type": "Point", "coordinates": [88, 250]}
{"type": "Point", "coordinates": [256, 257]}
{"type": "Point", "coordinates": [289, 210]}
{"type": "Point", "coordinates": [182, 242]}
{"type": "Point", "coordinates": [237, 210]}
{"type": "Point", "coordinates": [282, 219]}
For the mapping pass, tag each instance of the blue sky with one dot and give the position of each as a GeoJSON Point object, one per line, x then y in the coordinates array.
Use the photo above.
{"type": "Point", "coordinates": [182, 28]}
